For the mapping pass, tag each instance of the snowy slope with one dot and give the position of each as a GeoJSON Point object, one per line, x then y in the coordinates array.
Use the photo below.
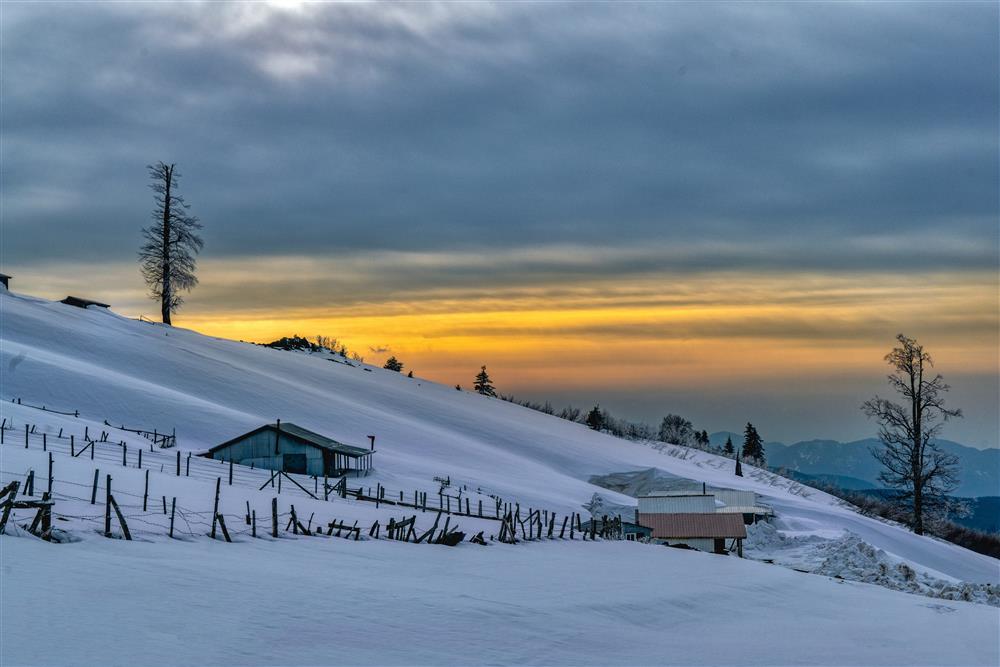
{"type": "Point", "coordinates": [137, 373]}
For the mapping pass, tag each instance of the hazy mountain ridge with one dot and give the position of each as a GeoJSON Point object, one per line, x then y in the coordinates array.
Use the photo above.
{"type": "Point", "coordinates": [831, 459]}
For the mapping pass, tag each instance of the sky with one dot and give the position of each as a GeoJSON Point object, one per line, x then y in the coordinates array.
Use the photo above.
{"type": "Point", "coordinates": [722, 210]}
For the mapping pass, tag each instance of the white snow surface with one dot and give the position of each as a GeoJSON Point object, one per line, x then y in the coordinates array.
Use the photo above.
{"type": "Point", "coordinates": [194, 601]}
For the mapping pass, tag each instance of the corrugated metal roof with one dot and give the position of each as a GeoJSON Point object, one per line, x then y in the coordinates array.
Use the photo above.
{"type": "Point", "coordinates": [694, 504]}
{"type": "Point", "coordinates": [694, 525]}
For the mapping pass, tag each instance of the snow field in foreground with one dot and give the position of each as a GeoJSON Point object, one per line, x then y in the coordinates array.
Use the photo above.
{"type": "Point", "coordinates": [327, 601]}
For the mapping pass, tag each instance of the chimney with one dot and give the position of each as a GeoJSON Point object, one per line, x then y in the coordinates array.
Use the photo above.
{"type": "Point", "coordinates": [372, 438]}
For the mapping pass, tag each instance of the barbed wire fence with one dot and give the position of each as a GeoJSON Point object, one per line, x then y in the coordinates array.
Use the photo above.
{"type": "Point", "coordinates": [185, 522]}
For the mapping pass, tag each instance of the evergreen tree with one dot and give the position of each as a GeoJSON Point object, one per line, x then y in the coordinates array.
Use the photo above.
{"type": "Point", "coordinates": [167, 257]}
{"type": "Point", "coordinates": [753, 447]}
{"type": "Point", "coordinates": [701, 439]}
{"type": "Point", "coordinates": [393, 364]}
{"type": "Point", "coordinates": [729, 445]}
{"type": "Point", "coordinates": [595, 418]}
{"type": "Point", "coordinates": [483, 384]}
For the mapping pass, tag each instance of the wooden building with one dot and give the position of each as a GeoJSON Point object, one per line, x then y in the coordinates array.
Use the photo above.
{"type": "Point", "coordinates": [701, 531]}
{"type": "Point", "coordinates": [291, 448]}
{"type": "Point", "coordinates": [5, 280]}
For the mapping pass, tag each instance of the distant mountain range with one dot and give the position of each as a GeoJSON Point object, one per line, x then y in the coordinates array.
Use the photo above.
{"type": "Point", "coordinates": [850, 465]}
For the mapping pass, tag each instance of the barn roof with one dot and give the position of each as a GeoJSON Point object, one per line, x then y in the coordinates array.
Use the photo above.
{"type": "Point", "coordinates": [694, 525]}
{"type": "Point", "coordinates": [304, 435]}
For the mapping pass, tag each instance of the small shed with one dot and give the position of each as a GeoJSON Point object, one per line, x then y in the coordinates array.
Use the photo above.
{"type": "Point", "coordinates": [83, 303]}
{"type": "Point", "coordinates": [291, 448]}
{"type": "Point", "coordinates": [701, 531]}
{"type": "Point", "coordinates": [5, 280]}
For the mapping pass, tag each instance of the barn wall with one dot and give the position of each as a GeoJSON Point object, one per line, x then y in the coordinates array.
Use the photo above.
{"type": "Point", "coordinates": [736, 498]}
{"type": "Point", "coordinates": [701, 544]}
{"type": "Point", "coordinates": [258, 449]}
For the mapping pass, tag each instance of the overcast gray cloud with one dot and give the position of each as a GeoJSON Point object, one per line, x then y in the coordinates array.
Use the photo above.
{"type": "Point", "coordinates": [334, 129]}
{"type": "Point", "coordinates": [831, 166]}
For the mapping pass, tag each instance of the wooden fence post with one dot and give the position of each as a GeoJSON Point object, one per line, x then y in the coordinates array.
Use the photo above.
{"type": "Point", "coordinates": [230, 471]}
{"type": "Point", "coordinates": [72, 446]}
{"type": "Point", "coordinates": [121, 519]}
{"type": "Point", "coordinates": [124, 455]}
{"type": "Point", "coordinates": [187, 465]}
{"type": "Point", "coordinates": [215, 511]}
{"type": "Point", "coordinates": [274, 517]}
{"type": "Point", "coordinates": [93, 494]}
{"type": "Point", "coordinates": [9, 503]}
{"type": "Point", "coordinates": [253, 523]}
{"type": "Point", "coordinates": [25, 436]}
{"type": "Point", "coordinates": [145, 491]}
{"type": "Point", "coordinates": [178, 463]}
{"type": "Point", "coordinates": [173, 506]}
{"type": "Point", "coordinates": [45, 442]}
{"type": "Point", "coordinates": [107, 507]}
{"type": "Point", "coordinates": [50, 473]}
{"type": "Point", "coordinates": [140, 458]}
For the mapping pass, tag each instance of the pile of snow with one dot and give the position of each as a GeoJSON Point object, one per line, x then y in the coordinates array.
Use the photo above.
{"type": "Point", "coordinates": [853, 559]}
{"type": "Point", "coordinates": [849, 557]}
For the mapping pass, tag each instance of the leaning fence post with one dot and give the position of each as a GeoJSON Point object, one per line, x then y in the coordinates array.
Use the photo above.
{"type": "Point", "coordinates": [215, 511]}
{"type": "Point", "coordinates": [93, 494]}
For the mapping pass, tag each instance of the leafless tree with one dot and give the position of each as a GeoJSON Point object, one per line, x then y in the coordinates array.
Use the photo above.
{"type": "Point", "coordinates": [911, 461]}
{"type": "Point", "coordinates": [167, 257]}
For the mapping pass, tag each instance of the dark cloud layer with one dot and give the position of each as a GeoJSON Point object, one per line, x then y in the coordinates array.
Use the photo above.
{"type": "Point", "coordinates": [804, 130]}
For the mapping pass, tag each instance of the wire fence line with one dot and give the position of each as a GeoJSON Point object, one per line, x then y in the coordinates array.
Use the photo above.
{"type": "Point", "coordinates": [461, 502]}
{"type": "Point", "coordinates": [100, 448]}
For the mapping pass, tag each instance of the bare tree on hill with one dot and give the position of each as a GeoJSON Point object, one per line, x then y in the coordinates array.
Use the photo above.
{"type": "Point", "coordinates": [167, 257]}
{"type": "Point", "coordinates": [912, 462]}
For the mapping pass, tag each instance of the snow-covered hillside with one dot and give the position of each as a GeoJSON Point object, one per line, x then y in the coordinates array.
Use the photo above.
{"type": "Point", "coordinates": [147, 375]}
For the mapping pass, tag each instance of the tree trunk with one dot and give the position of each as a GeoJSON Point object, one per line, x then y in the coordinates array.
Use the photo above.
{"type": "Point", "coordinates": [165, 293]}
{"type": "Point", "coordinates": [917, 457]}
